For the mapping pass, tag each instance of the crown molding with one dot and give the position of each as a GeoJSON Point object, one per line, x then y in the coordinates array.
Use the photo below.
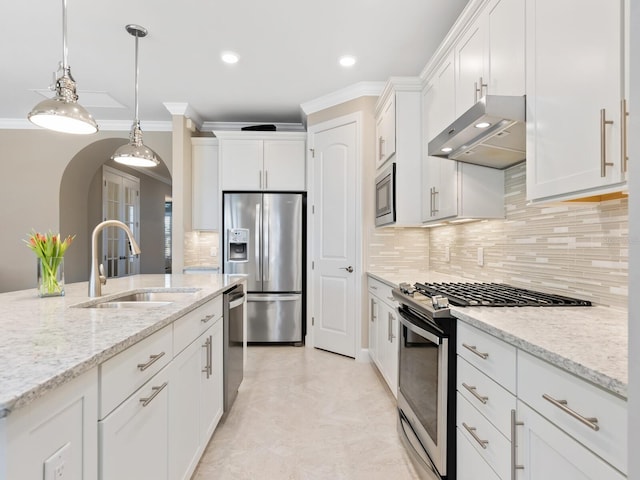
{"type": "Point", "coordinates": [357, 90]}
{"type": "Point", "coordinates": [186, 110]}
{"type": "Point", "coordinates": [237, 126]}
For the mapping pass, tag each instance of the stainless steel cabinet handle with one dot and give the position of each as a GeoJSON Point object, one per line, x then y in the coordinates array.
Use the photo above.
{"type": "Point", "coordinates": [623, 135]}
{"type": "Point", "coordinates": [210, 358]}
{"type": "Point", "coordinates": [472, 432]}
{"type": "Point", "coordinates": [207, 346]}
{"type": "Point", "coordinates": [373, 309]}
{"type": "Point", "coordinates": [260, 178]}
{"type": "Point", "coordinates": [266, 180]}
{"type": "Point", "coordinates": [152, 359]}
{"type": "Point", "coordinates": [390, 335]}
{"type": "Point", "coordinates": [514, 445]}
{"type": "Point", "coordinates": [348, 269]}
{"type": "Point", "coordinates": [155, 391]}
{"type": "Point", "coordinates": [473, 392]}
{"type": "Point", "coordinates": [381, 147]}
{"type": "Point", "coordinates": [603, 143]}
{"type": "Point", "coordinates": [373, 287]}
{"type": "Point", "coordinates": [590, 422]}
{"type": "Point", "coordinates": [473, 349]}
{"type": "Point", "coordinates": [207, 318]}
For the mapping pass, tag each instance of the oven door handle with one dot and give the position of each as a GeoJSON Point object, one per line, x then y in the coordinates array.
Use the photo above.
{"type": "Point", "coordinates": [405, 319]}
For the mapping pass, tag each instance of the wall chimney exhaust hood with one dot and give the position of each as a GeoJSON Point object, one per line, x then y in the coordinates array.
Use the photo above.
{"type": "Point", "coordinates": [491, 133]}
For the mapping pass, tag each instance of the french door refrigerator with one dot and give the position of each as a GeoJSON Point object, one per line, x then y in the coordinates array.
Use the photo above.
{"type": "Point", "coordinates": [264, 239]}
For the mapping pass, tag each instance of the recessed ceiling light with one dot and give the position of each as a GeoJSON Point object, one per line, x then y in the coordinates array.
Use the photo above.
{"type": "Point", "coordinates": [483, 125]}
{"type": "Point", "coordinates": [230, 57]}
{"type": "Point", "coordinates": [446, 149]}
{"type": "Point", "coordinates": [347, 61]}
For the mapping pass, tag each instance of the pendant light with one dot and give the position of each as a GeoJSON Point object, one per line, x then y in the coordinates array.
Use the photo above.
{"type": "Point", "coordinates": [63, 113]}
{"type": "Point", "coordinates": [135, 153]}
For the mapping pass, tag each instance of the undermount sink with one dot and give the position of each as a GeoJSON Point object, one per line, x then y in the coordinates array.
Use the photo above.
{"type": "Point", "coordinates": [142, 300]}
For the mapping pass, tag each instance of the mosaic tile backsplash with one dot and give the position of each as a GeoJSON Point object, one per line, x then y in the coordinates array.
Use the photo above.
{"type": "Point", "coordinates": [574, 248]}
{"type": "Point", "coordinates": [197, 249]}
{"type": "Point", "coordinates": [398, 250]}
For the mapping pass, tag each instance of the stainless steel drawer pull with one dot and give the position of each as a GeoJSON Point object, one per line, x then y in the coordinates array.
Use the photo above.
{"type": "Point", "coordinates": [154, 393]}
{"type": "Point", "coordinates": [514, 445]}
{"type": "Point", "coordinates": [207, 346]}
{"type": "Point", "coordinates": [473, 349]}
{"type": "Point", "coordinates": [472, 432]}
{"type": "Point", "coordinates": [603, 143]}
{"type": "Point", "coordinates": [590, 422]}
{"type": "Point", "coordinates": [473, 392]}
{"type": "Point", "coordinates": [207, 318]}
{"type": "Point", "coordinates": [152, 359]}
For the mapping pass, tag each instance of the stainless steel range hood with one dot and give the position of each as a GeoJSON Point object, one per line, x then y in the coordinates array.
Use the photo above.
{"type": "Point", "coordinates": [491, 133]}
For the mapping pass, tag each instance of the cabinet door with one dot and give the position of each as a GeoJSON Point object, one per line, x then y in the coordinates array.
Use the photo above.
{"type": "Point", "coordinates": [471, 62]}
{"type": "Point", "coordinates": [204, 184]}
{"type": "Point", "coordinates": [211, 398]}
{"type": "Point", "coordinates": [470, 465]}
{"type": "Point", "coordinates": [386, 132]}
{"type": "Point", "coordinates": [546, 452]}
{"type": "Point", "coordinates": [284, 165]}
{"type": "Point", "coordinates": [373, 328]}
{"type": "Point", "coordinates": [134, 437]}
{"type": "Point", "coordinates": [241, 164]}
{"type": "Point", "coordinates": [574, 71]}
{"type": "Point", "coordinates": [506, 47]}
{"type": "Point", "coordinates": [184, 417]}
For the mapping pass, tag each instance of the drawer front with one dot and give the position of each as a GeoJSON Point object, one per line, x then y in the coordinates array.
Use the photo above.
{"type": "Point", "coordinates": [121, 375]}
{"type": "Point", "coordinates": [537, 378]}
{"type": "Point", "coordinates": [496, 446]}
{"type": "Point", "coordinates": [488, 354]}
{"type": "Point", "coordinates": [382, 291]}
{"type": "Point", "coordinates": [470, 464]}
{"type": "Point", "coordinates": [489, 398]}
{"type": "Point", "coordinates": [189, 327]}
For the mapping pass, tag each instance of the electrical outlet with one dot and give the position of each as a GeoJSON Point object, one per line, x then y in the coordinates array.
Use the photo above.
{"type": "Point", "coordinates": [57, 466]}
{"type": "Point", "coordinates": [213, 252]}
{"type": "Point", "coordinates": [480, 256]}
{"type": "Point", "coordinates": [447, 254]}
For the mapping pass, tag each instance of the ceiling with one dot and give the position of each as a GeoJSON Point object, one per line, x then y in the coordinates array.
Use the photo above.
{"type": "Point", "coordinates": [288, 50]}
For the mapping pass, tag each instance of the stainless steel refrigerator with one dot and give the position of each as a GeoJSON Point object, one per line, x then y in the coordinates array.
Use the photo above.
{"type": "Point", "coordinates": [264, 239]}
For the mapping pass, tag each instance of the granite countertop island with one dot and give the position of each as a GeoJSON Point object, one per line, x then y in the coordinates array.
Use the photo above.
{"type": "Point", "coordinates": [590, 342]}
{"type": "Point", "coordinates": [46, 342]}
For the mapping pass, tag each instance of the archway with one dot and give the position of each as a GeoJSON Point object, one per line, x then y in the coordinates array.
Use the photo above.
{"type": "Point", "coordinates": [81, 207]}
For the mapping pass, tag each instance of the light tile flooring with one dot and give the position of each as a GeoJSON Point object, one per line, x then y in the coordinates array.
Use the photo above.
{"type": "Point", "coordinates": [303, 413]}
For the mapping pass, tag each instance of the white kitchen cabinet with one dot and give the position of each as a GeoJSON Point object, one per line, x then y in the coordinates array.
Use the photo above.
{"type": "Point", "coordinates": [64, 422]}
{"type": "Point", "coordinates": [386, 325]}
{"type": "Point", "coordinates": [490, 54]}
{"type": "Point", "coordinates": [205, 206]}
{"type": "Point", "coordinates": [405, 92]}
{"type": "Point", "coordinates": [386, 131]}
{"type": "Point", "coordinates": [547, 452]}
{"type": "Point", "coordinates": [270, 161]}
{"type": "Point", "coordinates": [134, 437]}
{"type": "Point", "coordinates": [373, 328]}
{"type": "Point", "coordinates": [211, 392]}
{"type": "Point", "coordinates": [575, 86]}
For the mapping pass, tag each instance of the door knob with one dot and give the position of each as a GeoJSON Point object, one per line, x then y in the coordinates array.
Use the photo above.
{"type": "Point", "coordinates": [348, 269]}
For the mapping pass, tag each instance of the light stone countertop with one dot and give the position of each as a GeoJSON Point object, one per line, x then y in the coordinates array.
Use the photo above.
{"type": "Point", "coordinates": [590, 342]}
{"type": "Point", "coordinates": [46, 342]}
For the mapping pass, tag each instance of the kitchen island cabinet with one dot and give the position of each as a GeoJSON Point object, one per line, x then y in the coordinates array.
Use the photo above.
{"type": "Point", "coordinates": [95, 388]}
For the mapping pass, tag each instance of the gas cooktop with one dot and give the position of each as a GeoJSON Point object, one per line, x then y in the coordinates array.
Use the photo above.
{"type": "Point", "coordinates": [494, 295]}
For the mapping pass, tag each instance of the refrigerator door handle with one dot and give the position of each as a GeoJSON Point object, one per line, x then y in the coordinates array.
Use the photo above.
{"type": "Point", "coordinates": [266, 277]}
{"type": "Point", "coordinates": [257, 229]}
{"type": "Point", "coordinates": [273, 298]}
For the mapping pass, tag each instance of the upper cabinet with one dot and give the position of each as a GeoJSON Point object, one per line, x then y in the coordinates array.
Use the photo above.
{"type": "Point", "coordinates": [264, 161]}
{"type": "Point", "coordinates": [489, 55]}
{"type": "Point", "coordinates": [398, 114]}
{"type": "Point", "coordinates": [204, 183]}
{"type": "Point", "coordinates": [386, 131]}
{"type": "Point", "coordinates": [576, 114]}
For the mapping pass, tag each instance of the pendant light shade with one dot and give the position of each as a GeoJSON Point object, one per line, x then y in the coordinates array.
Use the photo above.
{"type": "Point", "coordinates": [135, 153]}
{"type": "Point", "coordinates": [63, 113]}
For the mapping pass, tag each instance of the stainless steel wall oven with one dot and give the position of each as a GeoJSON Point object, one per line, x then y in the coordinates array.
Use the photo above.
{"type": "Point", "coordinates": [386, 196]}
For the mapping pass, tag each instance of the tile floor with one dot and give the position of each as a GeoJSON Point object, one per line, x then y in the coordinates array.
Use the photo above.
{"type": "Point", "coordinates": [307, 414]}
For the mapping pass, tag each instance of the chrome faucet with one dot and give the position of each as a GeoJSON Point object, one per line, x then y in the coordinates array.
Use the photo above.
{"type": "Point", "coordinates": [97, 278]}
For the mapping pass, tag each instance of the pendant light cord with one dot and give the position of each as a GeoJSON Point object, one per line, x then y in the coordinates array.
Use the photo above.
{"type": "Point", "coordinates": [136, 90]}
{"type": "Point", "coordinates": [64, 35]}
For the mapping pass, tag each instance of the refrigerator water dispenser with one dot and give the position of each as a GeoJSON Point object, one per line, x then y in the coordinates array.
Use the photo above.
{"type": "Point", "coordinates": [238, 244]}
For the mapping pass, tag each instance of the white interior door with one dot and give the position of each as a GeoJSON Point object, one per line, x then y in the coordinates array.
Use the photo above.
{"type": "Point", "coordinates": [120, 201]}
{"type": "Point", "coordinates": [335, 239]}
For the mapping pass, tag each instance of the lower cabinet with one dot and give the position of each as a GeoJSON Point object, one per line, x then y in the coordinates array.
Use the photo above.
{"type": "Point", "coordinates": [469, 463]}
{"type": "Point", "coordinates": [383, 332]}
{"type": "Point", "coordinates": [134, 437]}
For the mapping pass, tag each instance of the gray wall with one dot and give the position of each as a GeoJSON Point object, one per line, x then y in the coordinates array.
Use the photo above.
{"type": "Point", "coordinates": [33, 196]}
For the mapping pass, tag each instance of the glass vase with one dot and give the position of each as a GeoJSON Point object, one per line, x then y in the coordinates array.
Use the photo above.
{"type": "Point", "coordinates": [51, 277]}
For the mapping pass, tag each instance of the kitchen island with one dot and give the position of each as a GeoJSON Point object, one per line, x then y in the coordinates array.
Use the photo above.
{"type": "Point", "coordinates": [74, 376]}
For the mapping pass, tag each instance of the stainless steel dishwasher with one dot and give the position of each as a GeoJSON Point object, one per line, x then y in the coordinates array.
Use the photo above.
{"type": "Point", "coordinates": [233, 356]}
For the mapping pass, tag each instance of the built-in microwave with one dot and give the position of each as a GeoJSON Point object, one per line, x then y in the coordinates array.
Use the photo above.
{"type": "Point", "coordinates": [386, 196]}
